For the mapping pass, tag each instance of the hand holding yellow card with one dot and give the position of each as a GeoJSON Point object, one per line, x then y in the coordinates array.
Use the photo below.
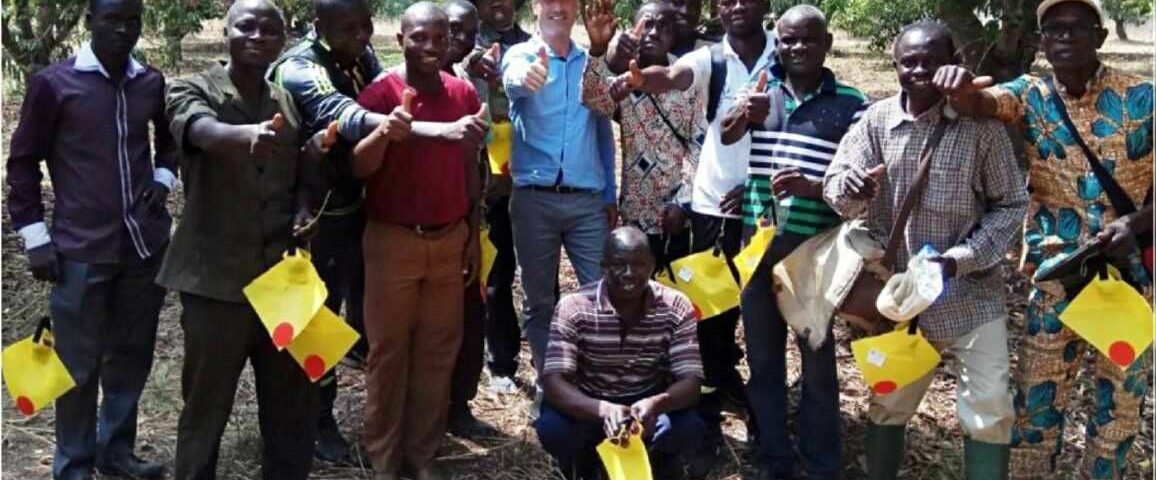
{"type": "Point", "coordinates": [287, 297]}
{"type": "Point", "coordinates": [1113, 317]}
{"type": "Point", "coordinates": [628, 462]}
{"type": "Point", "coordinates": [706, 280]}
{"type": "Point", "coordinates": [748, 259]}
{"type": "Point", "coordinates": [324, 342]}
{"type": "Point", "coordinates": [893, 360]}
{"type": "Point", "coordinates": [34, 373]}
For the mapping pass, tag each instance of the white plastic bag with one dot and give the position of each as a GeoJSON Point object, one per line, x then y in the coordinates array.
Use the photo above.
{"type": "Point", "coordinates": [909, 293]}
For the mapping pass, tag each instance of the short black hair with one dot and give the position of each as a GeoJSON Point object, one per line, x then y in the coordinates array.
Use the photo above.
{"type": "Point", "coordinates": [422, 9]}
{"type": "Point", "coordinates": [329, 7]}
{"type": "Point", "coordinates": [468, 6]}
{"type": "Point", "coordinates": [930, 27]}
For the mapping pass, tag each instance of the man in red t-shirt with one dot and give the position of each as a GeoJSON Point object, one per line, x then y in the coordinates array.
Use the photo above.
{"type": "Point", "coordinates": [422, 197]}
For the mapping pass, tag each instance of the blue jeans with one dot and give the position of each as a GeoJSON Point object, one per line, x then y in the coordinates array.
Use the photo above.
{"type": "Point", "coordinates": [543, 223]}
{"type": "Point", "coordinates": [104, 318]}
{"type": "Point", "coordinates": [818, 419]}
{"type": "Point", "coordinates": [571, 442]}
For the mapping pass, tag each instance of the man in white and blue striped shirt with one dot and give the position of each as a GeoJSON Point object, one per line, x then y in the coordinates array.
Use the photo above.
{"type": "Point", "coordinates": [795, 122]}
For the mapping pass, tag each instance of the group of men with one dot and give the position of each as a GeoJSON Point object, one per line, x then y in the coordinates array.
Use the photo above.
{"type": "Point", "coordinates": [716, 139]}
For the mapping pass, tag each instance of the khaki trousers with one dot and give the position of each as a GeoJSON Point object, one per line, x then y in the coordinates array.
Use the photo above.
{"type": "Point", "coordinates": [413, 321]}
{"type": "Point", "coordinates": [982, 400]}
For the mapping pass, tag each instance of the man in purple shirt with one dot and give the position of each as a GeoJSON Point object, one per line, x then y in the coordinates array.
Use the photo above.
{"type": "Point", "coordinates": [88, 118]}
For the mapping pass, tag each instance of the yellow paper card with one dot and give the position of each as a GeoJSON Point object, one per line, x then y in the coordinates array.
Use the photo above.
{"type": "Point", "coordinates": [1113, 317]}
{"type": "Point", "coordinates": [322, 344]}
{"type": "Point", "coordinates": [489, 255]}
{"type": "Point", "coordinates": [706, 280]}
{"type": "Point", "coordinates": [34, 373]}
{"type": "Point", "coordinates": [629, 463]}
{"type": "Point", "coordinates": [748, 259]}
{"type": "Point", "coordinates": [893, 360]}
{"type": "Point", "coordinates": [287, 297]}
{"type": "Point", "coordinates": [499, 147]}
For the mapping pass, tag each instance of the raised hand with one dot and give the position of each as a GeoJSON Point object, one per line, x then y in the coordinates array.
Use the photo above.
{"type": "Point", "coordinates": [485, 66]}
{"type": "Point", "coordinates": [791, 182]}
{"type": "Point", "coordinates": [538, 73]}
{"type": "Point", "coordinates": [399, 122]}
{"type": "Point", "coordinates": [600, 25]}
{"type": "Point", "coordinates": [759, 104]}
{"type": "Point", "coordinates": [470, 128]}
{"type": "Point", "coordinates": [263, 136]}
{"type": "Point", "coordinates": [954, 81]}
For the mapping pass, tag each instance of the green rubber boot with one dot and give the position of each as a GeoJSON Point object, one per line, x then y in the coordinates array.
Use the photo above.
{"type": "Point", "coordinates": [885, 451]}
{"type": "Point", "coordinates": [986, 461]}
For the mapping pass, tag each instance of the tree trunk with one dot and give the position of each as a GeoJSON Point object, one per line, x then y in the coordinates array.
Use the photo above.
{"type": "Point", "coordinates": [1014, 47]}
{"type": "Point", "coordinates": [1121, 30]}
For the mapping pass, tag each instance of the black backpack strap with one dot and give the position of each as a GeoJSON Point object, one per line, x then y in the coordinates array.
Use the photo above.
{"type": "Point", "coordinates": [718, 80]}
{"type": "Point", "coordinates": [1120, 200]}
{"type": "Point", "coordinates": [682, 140]}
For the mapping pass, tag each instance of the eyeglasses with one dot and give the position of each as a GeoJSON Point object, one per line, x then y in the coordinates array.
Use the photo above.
{"type": "Point", "coordinates": [1071, 31]}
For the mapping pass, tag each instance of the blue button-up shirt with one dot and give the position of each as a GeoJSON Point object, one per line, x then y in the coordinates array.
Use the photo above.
{"type": "Point", "coordinates": [553, 132]}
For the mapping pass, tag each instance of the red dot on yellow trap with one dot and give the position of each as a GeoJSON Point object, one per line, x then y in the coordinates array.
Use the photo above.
{"type": "Point", "coordinates": [1121, 353]}
{"type": "Point", "coordinates": [25, 405]}
{"type": "Point", "coordinates": [283, 334]}
{"type": "Point", "coordinates": [697, 312]}
{"type": "Point", "coordinates": [884, 387]}
{"type": "Point", "coordinates": [314, 367]}
{"type": "Point", "coordinates": [506, 168]}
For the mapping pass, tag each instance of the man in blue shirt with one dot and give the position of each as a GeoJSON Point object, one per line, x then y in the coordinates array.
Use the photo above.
{"type": "Point", "coordinates": [562, 167]}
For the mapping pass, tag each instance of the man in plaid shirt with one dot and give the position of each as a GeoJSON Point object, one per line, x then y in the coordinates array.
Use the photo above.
{"type": "Point", "coordinates": [969, 210]}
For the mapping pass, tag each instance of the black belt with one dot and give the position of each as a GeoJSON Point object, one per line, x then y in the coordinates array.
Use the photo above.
{"type": "Point", "coordinates": [558, 189]}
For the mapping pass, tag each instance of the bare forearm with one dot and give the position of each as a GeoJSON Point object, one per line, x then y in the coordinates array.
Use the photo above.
{"type": "Point", "coordinates": [369, 153]}
{"type": "Point", "coordinates": [735, 126]}
{"type": "Point", "coordinates": [218, 138]}
{"type": "Point", "coordinates": [658, 80]}
{"type": "Point", "coordinates": [564, 396]}
{"type": "Point", "coordinates": [681, 395]}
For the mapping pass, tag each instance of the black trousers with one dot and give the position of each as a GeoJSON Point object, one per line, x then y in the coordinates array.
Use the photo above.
{"type": "Point", "coordinates": [716, 336]}
{"type": "Point", "coordinates": [502, 332]}
{"type": "Point", "coordinates": [338, 259]}
{"type": "Point", "coordinates": [104, 318]}
{"type": "Point", "coordinates": [220, 337]}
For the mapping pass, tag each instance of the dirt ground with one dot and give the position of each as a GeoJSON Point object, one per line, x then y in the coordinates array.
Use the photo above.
{"type": "Point", "coordinates": [513, 453]}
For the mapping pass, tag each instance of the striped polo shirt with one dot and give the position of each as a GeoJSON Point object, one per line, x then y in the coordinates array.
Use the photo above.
{"type": "Point", "coordinates": [589, 346]}
{"type": "Point", "coordinates": [802, 134]}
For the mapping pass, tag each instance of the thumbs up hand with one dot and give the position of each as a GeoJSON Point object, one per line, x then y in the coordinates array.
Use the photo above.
{"type": "Point", "coordinates": [759, 104]}
{"type": "Point", "coordinates": [263, 136]}
{"type": "Point", "coordinates": [399, 122]}
{"type": "Point", "coordinates": [485, 66]}
{"type": "Point", "coordinates": [472, 128]}
{"type": "Point", "coordinates": [622, 85]}
{"type": "Point", "coordinates": [538, 72]}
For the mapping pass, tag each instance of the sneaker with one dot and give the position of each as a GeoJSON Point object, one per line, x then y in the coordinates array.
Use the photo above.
{"type": "Point", "coordinates": [503, 385]}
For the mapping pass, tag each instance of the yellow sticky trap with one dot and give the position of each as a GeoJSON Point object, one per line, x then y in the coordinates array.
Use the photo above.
{"type": "Point", "coordinates": [34, 373]}
{"type": "Point", "coordinates": [893, 360]}
{"type": "Point", "coordinates": [706, 280]}
{"type": "Point", "coordinates": [287, 297]}
{"type": "Point", "coordinates": [748, 259]}
{"type": "Point", "coordinates": [489, 255]}
{"type": "Point", "coordinates": [626, 463]}
{"type": "Point", "coordinates": [499, 147]}
{"type": "Point", "coordinates": [322, 344]}
{"type": "Point", "coordinates": [1113, 317]}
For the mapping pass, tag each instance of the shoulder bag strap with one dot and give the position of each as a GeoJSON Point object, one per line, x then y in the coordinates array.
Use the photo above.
{"type": "Point", "coordinates": [913, 195]}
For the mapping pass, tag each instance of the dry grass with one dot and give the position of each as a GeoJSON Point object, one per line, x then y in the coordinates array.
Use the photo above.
{"type": "Point", "coordinates": [512, 454]}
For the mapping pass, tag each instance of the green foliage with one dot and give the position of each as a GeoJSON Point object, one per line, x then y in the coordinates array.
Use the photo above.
{"type": "Point", "coordinates": [879, 21]}
{"type": "Point", "coordinates": [1132, 12]}
{"type": "Point", "coordinates": [36, 33]}
{"type": "Point", "coordinates": [171, 21]}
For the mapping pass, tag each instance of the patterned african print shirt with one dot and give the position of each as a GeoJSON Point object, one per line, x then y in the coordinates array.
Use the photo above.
{"type": "Point", "coordinates": [1068, 205]}
{"type": "Point", "coordinates": [659, 153]}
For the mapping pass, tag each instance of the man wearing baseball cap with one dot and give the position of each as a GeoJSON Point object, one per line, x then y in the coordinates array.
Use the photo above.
{"type": "Point", "coordinates": [1089, 142]}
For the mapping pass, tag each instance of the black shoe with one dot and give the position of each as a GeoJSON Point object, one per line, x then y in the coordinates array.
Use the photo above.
{"type": "Point", "coordinates": [131, 466]}
{"type": "Point", "coordinates": [331, 447]}
{"type": "Point", "coordinates": [464, 424]}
